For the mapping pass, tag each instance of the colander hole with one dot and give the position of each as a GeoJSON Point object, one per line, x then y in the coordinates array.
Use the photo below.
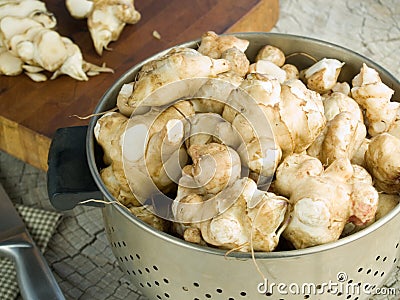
{"type": "Point", "coordinates": [127, 271]}
{"type": "Point", "coordinates": [376, 273]}
{"type": "Point", "coordinates": [394, 260]}
{"type": "Point", "coordinates": [385, 258]}
{"type": "Point", "coordinates": [165, 280]}
{"type": "Point", "coordinates": [367, 286]}
{"type": "Point", "coordinates": [243, 294]}
{"type": "Point", "coordinates": [166, 295]}
{"type": "Point", "coordinates": [359, 284]}
{"type": "Point", "coordinates": [319, 287]}
{"type": "Point", "coordinates": [360, 270]}
{"type": "Point", "coordinates": [373, 287]}
{"type": "Point", "coordinates": [219, 291]}
{"type": "Point", "coordinates": [140, 272]}
{"type": "Point", "coordinates": [121, 259]}
{"type": "Point", "coordinates": [185, 288]}
{"type": "Point", "coordinates": [119, 244]}
{"type": "Point", "coordinates": [142, 285]}
{"type": "Point", "coordinates": [114, 244]}
{"type": "Point", "coordinates": [196, 299]}
{"type": "Point", "coordinates": [147, 270]}
{"type": "Point", "coordinates": [306, 296]}
{"type": "Point", "coordinates": [208, 296]}
{"type": "Point", "coordinates": [126, 259]}
{"type": "Point", "coordinates": [156, 283]}
{"type": "Point", "coordinates": [155, 268]}
{"type": "Point", "coordinates": [397, 245]}
{"type": "Point", "coordinates": [112, 229]}
{"type": "Point", "coordinates": [348, 297]}
{"type": "Point", "coordinates": [377, 258]}
{"type": "Point", "coordinates": [356, 298]}
{"type": "Point", "coordinates": [268, 294]}
{"type": "Point", "coordinates": [158, 297]}
{"type": "Point", "coordinates": [382, 274]}
{"type": "Point", "coordinates": [369, 271]}
{"type": "Point", "coordinates": [196, 284]}
{"type": "Point", "coordinates": [148, 284]}
{"type": "Point", "coordinates": [133, 272]}
{"type": "Point", "coordinates": [138, 256]}
{"type": "Point", "coordinates": [339, 294]}
{"type": "Point", "coordinates": [123, 243]}
{"type": "Point", "coordinates": [130, 256]}
{"type": "Point", "coordinates": [230, 298]}
{"type": "Point", "coordinates": [351, 281]}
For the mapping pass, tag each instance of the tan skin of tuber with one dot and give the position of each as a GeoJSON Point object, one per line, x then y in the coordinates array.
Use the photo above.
{"type": "Point", "coordinates": [115, 133]}
{"type": "Point", "coordinates": [341, 138]}
{"type": "Point", "coordinates": [272, 54]}
{"type": "Point", "coordinates": [374, 97]}
{"type": "Point", "coordinates": [383, 165]}
{"type": "Point", "coordinates": [322, 200]}
{"type": "Point", "coordinates": [244, 224]}
{"type": "Point", "coordinates": [181, 63]}
{"type": "Point", "coordinates": [30, 44]}
{"type": "Point", "coordinates": [322, 76]}
{"type": "Point", "coordinates": [214, 46]}
{"type": "Point", "coordinates": [105, 18]}
{"type": "Point", "coordinates": [214, 167]}
{"type": "Point", "coordinates": [108, 18]}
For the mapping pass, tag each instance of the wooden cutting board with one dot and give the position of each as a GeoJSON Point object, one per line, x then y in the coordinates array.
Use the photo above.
{"type": "Point", "coordinates": [30, 112]}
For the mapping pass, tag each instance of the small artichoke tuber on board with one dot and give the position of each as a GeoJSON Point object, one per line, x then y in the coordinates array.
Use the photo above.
{"type": "Point", "coordinates": [29, 43]}
{"type": "Point", "coordinates": [105, 18]}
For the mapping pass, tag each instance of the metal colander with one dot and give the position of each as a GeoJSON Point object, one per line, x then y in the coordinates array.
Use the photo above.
{"type": "Point", "coordinates": [166, 267]}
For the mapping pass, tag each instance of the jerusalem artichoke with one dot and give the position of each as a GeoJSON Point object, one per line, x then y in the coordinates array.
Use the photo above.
{"type": "Point", "coordinates": [383, 164]}
{"type": "Point", "coordinates": [140, 150]}
{"type": "Point", "coordinates": [252, 220]}
{"type": "Point", "coordinates": [322, 76]}
{"type": "Point", "coordinates": [374, 96]}
{"type": "Point", "coordinates": [214, 45]}
{"type": "Point", "coordinates": [27, 32]}
{"type": "Point", "coordinates": [341, 138]}
{"type": "Point", "coordinates": [177, 65]}
{"type": "Point", "coordinates": [272, 54]}
{"type": "Point", "coordinates": [322, 200]}
{"type": "Point", "coordinates": [105, 18]}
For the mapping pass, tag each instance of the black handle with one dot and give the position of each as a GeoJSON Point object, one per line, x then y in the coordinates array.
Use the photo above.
{"type": "Point", "coordinates": [69, 180]}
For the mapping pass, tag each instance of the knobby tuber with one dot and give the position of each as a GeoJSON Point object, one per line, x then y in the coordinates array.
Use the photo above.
{"type": "Point", "coordinates": [383, 163]}
{"type": "Point", "coordinates": [241, 213]}
{"type": "Point", "coordinates": [374, 97]}
{"type": "Point", "coordinates": [105, 18]}
{"type": "Point", "coordinates": [177, 64]}
{"type": "Point", "coordinates": [29, 43]}
{"type": "Point", "coordinates": [323, 201]}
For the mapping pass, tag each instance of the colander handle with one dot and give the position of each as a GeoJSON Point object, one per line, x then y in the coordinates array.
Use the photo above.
{"type": "Point", "coordinates": [69, 180]}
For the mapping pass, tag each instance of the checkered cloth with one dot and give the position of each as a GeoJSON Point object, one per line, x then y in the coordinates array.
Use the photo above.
{"type": "Point", "coordinates": [41, 225]}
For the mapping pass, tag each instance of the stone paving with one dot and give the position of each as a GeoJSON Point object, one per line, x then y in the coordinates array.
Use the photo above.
{"type": "Point", "coordinates": [79, 253]}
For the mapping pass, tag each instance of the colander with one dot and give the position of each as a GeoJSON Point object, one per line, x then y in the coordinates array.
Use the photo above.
{"type": "Point", "coordinates": [165, 267]}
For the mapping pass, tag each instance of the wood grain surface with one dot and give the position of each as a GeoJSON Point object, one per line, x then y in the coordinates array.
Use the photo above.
{"type": "Point", "coordinates": [30, 112]}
